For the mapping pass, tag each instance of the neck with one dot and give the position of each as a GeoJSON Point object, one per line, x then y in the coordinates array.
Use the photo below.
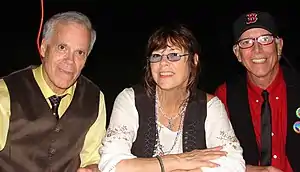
{"type": "Point", "coordinates": [171, 100]}
{"type": "Point", "coordinates": [265, 81]}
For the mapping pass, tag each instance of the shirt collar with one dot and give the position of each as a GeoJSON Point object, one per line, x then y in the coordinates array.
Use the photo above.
{"type": "Point", "coordinates": [278, 79]}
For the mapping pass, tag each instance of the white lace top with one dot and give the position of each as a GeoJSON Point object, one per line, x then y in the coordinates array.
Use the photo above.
{"type": "Point", "coordinates": [124, 123]}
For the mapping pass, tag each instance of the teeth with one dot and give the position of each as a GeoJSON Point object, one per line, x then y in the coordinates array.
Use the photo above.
{"type": "Point", "coordinates": [166, 73]}
{"type": "Point", "coordinates": [259, 60]}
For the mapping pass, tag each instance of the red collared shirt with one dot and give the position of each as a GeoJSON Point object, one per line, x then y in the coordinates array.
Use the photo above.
{"type": "Point", "coordinates": [278, 102]}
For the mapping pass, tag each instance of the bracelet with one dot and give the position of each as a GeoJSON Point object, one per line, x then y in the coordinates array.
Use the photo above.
{"type": "Point", "coordinates": [162, 168]}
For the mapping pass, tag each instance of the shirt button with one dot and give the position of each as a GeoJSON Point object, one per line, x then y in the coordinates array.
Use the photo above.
{"type": "Point", "coordinates": [275, 156]}
{"type": "Point", "coordinates": [272, 134]}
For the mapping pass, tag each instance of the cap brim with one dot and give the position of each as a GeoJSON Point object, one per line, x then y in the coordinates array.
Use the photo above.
{"type": "Point", "coordinates": [255, 26]}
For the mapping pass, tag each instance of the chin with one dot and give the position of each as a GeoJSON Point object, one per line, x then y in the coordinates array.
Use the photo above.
{"type": "Point", "coordinates": [168, 87]}
{"type": "Point", "coordinates": [165, 87]}
{"type": "Point", "coordinates": [260, 74]}
{"type": "Point", "coordinates": [64, 84]}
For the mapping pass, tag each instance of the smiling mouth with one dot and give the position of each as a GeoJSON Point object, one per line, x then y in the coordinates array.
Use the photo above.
{"type": "Point", "coordinates": [166, 74]}
{"type": "Point", "coordinates": [65, 71]}
{"type": "Point", "coordinates": [259, 61]}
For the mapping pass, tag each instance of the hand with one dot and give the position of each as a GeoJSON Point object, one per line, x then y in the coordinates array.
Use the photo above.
{"type": "Point", "coordinates": [251, 168]}
{"type": "Point", "coordinates": [196, 159]}
{"type": "Point", "coordinates": [89, 168]}
{"type": "Point", "coordinates": [273, 169]}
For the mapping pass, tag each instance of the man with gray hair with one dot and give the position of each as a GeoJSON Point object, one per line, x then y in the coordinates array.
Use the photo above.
{"type": "Point", "coordinates": [52, 118]}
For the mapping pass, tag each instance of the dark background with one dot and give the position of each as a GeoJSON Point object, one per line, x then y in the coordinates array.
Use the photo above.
{"type": "Point", "coordinates": [123, 28]}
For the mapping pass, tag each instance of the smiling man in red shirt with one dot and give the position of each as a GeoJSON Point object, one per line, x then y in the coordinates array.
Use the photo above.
{"type": "Point", "coordinates": [263, 102]}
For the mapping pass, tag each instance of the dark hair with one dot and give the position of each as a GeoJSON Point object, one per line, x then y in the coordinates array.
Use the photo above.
{"type": "Point", "coordinates": [177, 35]}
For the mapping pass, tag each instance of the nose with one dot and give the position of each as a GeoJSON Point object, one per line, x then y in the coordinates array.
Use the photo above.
{"type": "Point", "coordinates": [257, 46]}
{"type": "Point", "coordinates": [70, 57]}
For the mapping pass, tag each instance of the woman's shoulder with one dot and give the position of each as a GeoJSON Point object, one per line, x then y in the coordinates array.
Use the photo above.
{"type": "Point", "coordinates": [213, 101]}
{"type": "Point", "coordinates": [125, 95]}
{"type": "Point", "coordinates": [210, 98]}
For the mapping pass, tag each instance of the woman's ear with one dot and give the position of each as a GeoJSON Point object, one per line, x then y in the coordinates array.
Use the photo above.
{"type": "Point", "coordinates": [196, 59]}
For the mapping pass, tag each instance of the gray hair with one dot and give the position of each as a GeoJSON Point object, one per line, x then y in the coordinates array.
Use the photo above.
{"type": "Point", "coordinates": [70, 16]}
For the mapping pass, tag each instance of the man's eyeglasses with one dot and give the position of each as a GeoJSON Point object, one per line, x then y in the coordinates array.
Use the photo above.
{"type": "Point", "coordinates": [249, 42]}
{"type": "Point", "coordinates": [172, 57]}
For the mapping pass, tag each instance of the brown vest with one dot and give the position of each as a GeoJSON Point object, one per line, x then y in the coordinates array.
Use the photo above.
{"type": "Point", "coordinates": [193, 136]}
{"type": "Point", "coordinates": [36, 141]}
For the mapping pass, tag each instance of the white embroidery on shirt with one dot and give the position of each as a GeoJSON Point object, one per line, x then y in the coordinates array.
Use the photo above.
{"type": "Point", "coordinates": [118, 133]}
{"type": "Point", "coordinates": [228, 139]}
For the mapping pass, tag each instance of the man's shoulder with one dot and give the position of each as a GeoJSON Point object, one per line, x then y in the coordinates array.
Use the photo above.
{"type": "Point", "coordinates": [231, 80]}
{"type": "Point", "coordinates": [19, 72]}
{"type": "Point", "coordinates": [290, 72]}
{"type": "Point", "coordinates": [222, 86]}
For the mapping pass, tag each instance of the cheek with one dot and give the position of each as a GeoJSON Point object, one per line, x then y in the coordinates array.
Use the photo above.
{"type": "Point", "coordinates": [246, 58]}
{"type": "Point", "coordinates": [80, 64]}
{"type": "Point", "coordinates": [154, 69]}
{"type": "Point", "coordinates": [54, 57]}
{"type": "Point", "coordinates": [49, 62]}
{"type": "Point", "coordinates": [245, 55]}
{"type": "Point", "coordinates": [186, 73]}
{"type": "Point", "coordinates": [182, 69]}
{"type": "Point", "coordinates": [272, 53]}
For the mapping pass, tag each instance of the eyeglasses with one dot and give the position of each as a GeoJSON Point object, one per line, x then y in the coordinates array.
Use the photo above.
{"type": "Point", "coordinates": [249, 42]}
{"type": "Point", "coordinates": [172, 57]}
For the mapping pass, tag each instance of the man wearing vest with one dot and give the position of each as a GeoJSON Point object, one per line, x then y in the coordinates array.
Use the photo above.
{"type": "Point", "coordinates": [263, 102]}
{"type": "Point", "coordinates": [51, 117]}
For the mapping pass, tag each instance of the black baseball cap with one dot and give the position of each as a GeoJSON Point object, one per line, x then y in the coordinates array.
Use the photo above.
{"type": "Point", "coordinates": [254, 19]}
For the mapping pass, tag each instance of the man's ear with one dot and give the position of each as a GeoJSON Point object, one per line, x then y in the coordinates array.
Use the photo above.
{"type": "Point", "coordinates": [279, 45]}
{"type": "Point", "coordinates": [43, 48]}
{"type": "Point", "coordinates": [236, 52]}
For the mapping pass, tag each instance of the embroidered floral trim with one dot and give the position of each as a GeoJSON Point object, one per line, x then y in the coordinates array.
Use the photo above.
{"type": "Point", "coordinates": [229, 139]}
{"type": "Point", "coordinates": [118, 133]}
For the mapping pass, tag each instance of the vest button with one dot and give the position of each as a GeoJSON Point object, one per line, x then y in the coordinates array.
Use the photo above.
{"type": "Point", "coordinates": [52, 151]}
{"type": "Point", "coordinates": [57, 129]}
